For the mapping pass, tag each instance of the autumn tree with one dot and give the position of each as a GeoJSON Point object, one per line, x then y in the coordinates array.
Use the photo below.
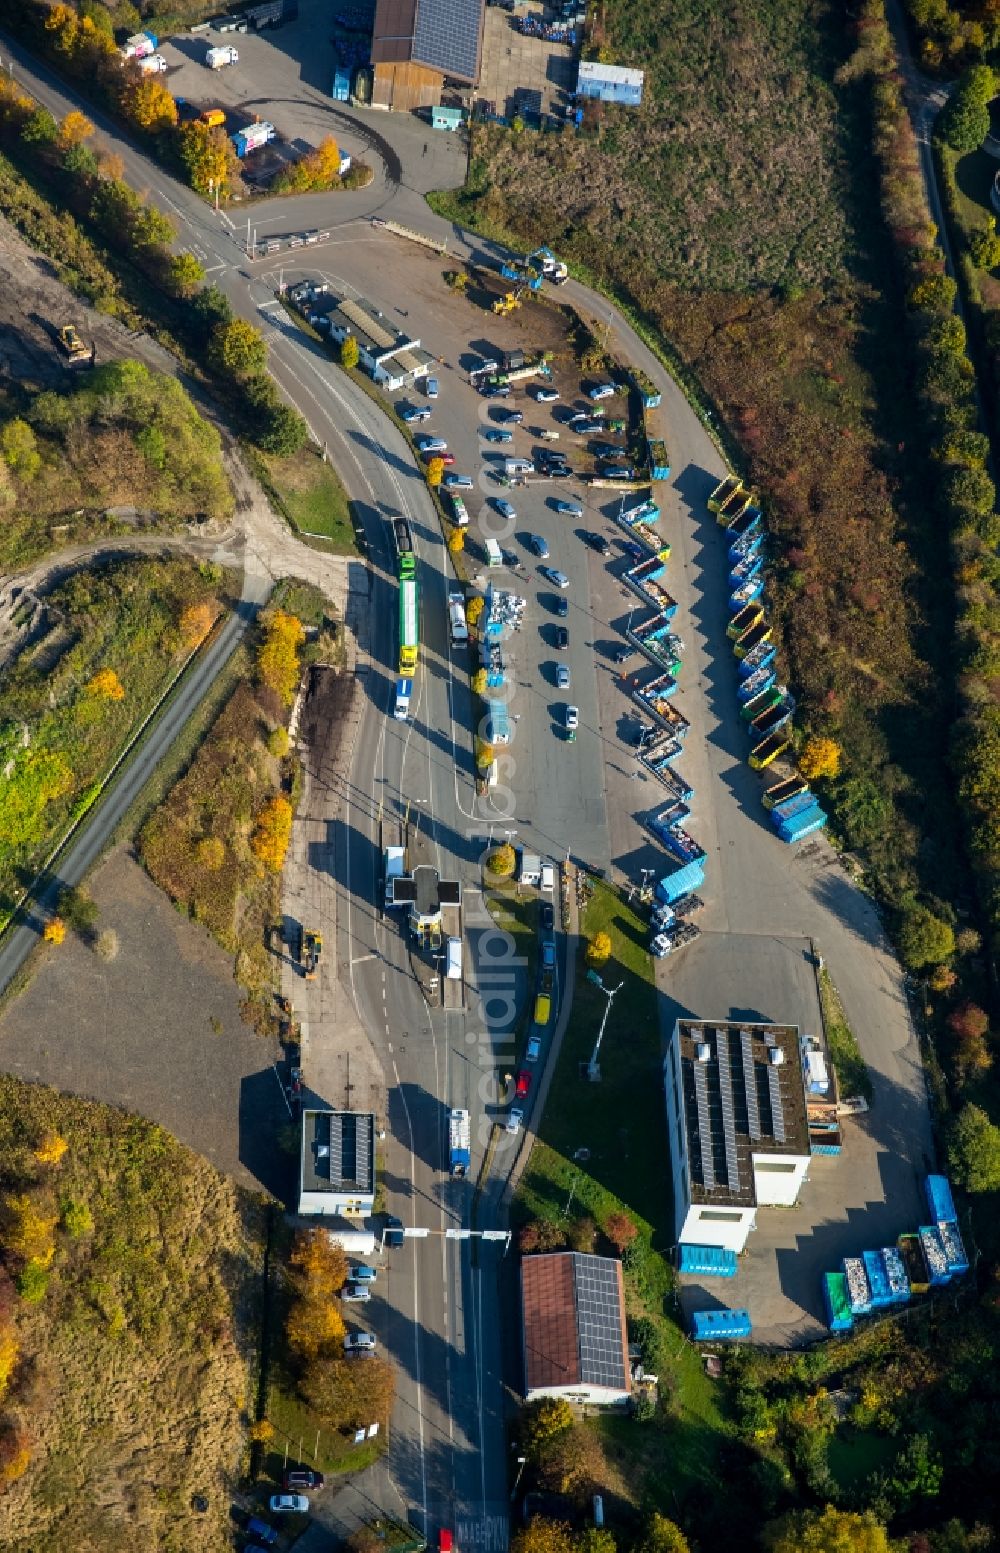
{"type": "Point", "coordinates": [185, 275]}
{"type": "Point", "coordinates": [278, 653]}
{"type": "Point", "coordinates": [9, 1351]}
{"type": "Point", "coordinates": [272, 832]}
{"type": "Point", "coordinates": [237, 349]}
{"type": "Point", "coordinates": [195, 623]}
{"type": "Point", "coordinates": [574, 1463]}
{"type": "Point", "coordinates": [540, 1235]}
{"type": "Point", "coordinates": [27, 1224]}
{"type": "Point", "coordinates": [969, 1025]}
{"type": "Point", "coordinates": [456, 541]}
{"type": "Point", "coordinates": [278, 743]}
{"type": "Point", "coordinates": [820, 757]}
{"type": "Point", "coordinates": [479, 682]}
{"type": "Point", "coordinates": [542, 1422]}
{"type": "Point", "coordinates": [349, 352]}
{"type": "Point", "coordinates": [209, 158]}
{"type": "Point", "coordinates": [599, 948]}
{"type": "Point", "coordinates": [542, 1535]}
{"type": "Point", "coordinates": [349, 1394]}
{"type": "Point", "coordinates": [50, 1148]}
{"type": "Point", "coordinates": [826, 1531]}
{"type": "Point", "coordinates": [501, 861]}
{"type": "Point", "coordinates": [210, 853]}
{"type": "Point", "coordinates": [435, 472]}
{"type": "Point", "coordinates": [620, 1230]}
{"type": "Point", "coordinates": [474, 609]}
{"type": "Point", "coordinates": [106, 686]}
{"type": "Point", "coordinates": [661, 1535]}
{"type": "Point", "coordinates": [147, 103]}
{"type": "Point", "coordinates": [54, 931]}
{"type": "Point", "coordinates": [314, 1327]}
{"type": "Point", "coordinates": [15, 1452]}
{"type": "Point", "coordinates": [924, 939]}
{"type": "Point", "coordinates": [19, 449]}
{"type": "Point", "coordinates": [319, 1263]}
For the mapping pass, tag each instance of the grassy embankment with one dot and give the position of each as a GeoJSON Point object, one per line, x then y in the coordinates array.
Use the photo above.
{"type": "Point", "coordinates": [309, 493]}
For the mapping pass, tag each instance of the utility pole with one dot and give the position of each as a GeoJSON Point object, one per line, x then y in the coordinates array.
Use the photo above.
{"type": "Point", "coordinates": [593, 1071]}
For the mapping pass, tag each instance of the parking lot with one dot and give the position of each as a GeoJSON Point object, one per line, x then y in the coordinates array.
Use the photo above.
{"type": "Point", "coordinates": [522, 75]}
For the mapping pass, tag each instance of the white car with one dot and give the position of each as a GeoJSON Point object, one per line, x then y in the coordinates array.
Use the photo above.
{"type": "Point", "coordinates": [359, 1342]}
{"type": "Point", "coordinates": [431, 444]}
{"type": "Point", "coordinates": [602, 391]}
{"type": "Point", "coordinates": [572, 717]}
{"type": "Point", "coordinates": [546, 395]}
{"type": "Point", "coordinates": [289, 1504]}
{"type": "Point", "coordinates": [457, 482]}
{"type": "Point", "coordinates": [514, 1120]}
{"type": "Point", "coordinates": [562, 677]}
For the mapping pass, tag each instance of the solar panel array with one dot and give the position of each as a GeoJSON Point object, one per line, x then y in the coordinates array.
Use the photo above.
{"type": "Point", "coordinates": [704, 1125]}
{"type": "Point", "coordinates": [446, 36]}
{"type": "Point", "coordinates": [599, 1320]}
{"type": "Point", "coordinates": [728, 1116]}
{"type": "Point", "coordinates": [777, 1107]}
{"type": "Point", "coordinates": [750, 1086]}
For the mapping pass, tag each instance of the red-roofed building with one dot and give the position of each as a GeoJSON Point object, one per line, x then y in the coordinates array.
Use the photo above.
{"type": "Point", "coordinates": [573, 1321]}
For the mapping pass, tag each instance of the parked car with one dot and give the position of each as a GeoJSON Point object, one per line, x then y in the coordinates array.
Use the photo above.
{"type": "Point", "coordinates": [495, 391]}
{"type": "Point", "coordinates": [562, 638]}
{"type": "Point", "coordinates": [549, 949]}
{"type": "Point", "coordinates": [356, 1292]}
{"type": "Point", "coordinates": [453, 482]}
{"type": "Point", "coordinates": [597, 542]}
{"type": "Point", "coordinates": [538, 545]}
{"type": "Point", "coordinates": [602, 391]}
{"type": "Point", "coordinates": [504, 508]}
{"type": "Point", "coordinates": [571, 509]}
{"type": "Point", "coordinates": [557, 579]}
{"type": "Point", "coordinates": [572, 717]}
{"type": "Point", "coordinates": [607, 450]}
{"type": "Point", "coordinates": [392, 1231]}
{"type": "Point", "coordinates": [556, 471]}
{"type": "Point", "coordinates": [615, 471]}
{"type": "Point", "coordinates": [266, 1533]}
{"type": "Point", "coordinates": [514, 1120]}
{"type": "Point", "coordinates": [302, 1477]}
{"type": "Point", "coordinates": [633, 551]}
{"type": "Point", "coordinates": [446, 458]}
{"type": "Point", "coordinates": [510, 417]}
{"type": "Point", "coordinates": [562, 607]}
{"type": "Point", "coordinates": [362, 1273]}
{"type": "Point", "coordinates": [360, 1342]}
{"type": "Point", "coordinates": [523, 1084]}
{"type": "Point", "coordinates": [546, 395]}
{"type": "Point", "coordinates": [496, 434]}
{"type": "Point", "coordinates": [414, 413]}
{"type": "Point", "coordinates": [534, 1048]}
{"type": "Point", "coordinates": [289, 1504]}
{"type": "Point", "coordinates": [427, 444]}
{"type": "Point", "coordinates": [432, 388]}
{"type": "Point", "coordinates": [562, 677]}
{"type": "Point", "coordinates": [547, 917]}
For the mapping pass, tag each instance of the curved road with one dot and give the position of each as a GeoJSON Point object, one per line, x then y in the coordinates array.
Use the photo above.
{"type": "Point", "coordinates": [447, 1454]}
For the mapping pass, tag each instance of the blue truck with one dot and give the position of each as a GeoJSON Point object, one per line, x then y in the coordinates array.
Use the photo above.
{"type": "Point", "coordinates": [459, 1142]}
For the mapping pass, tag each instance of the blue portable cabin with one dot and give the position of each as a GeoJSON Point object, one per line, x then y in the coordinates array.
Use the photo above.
{"type": "Point", "coordinates": [837, 1303]}
{"type": "Point", "coordinates": [341, 83]}
{"type": "Point", "coordinates": [935, 1255]}
{"type": "Point", "coordinates": [895, 1272]}
{"type": "Point", "coordinates": [878, 1283]}
{"type": "Point", "coordinates": [683, 881]}
{"type": "Point", "coordinates": [940, 1202]}
{"type": "Point", "coordinates": [729, 1325]}
{"type": "Point", "coordinates": [858, 1289]}
{"type": "Point", "coordinates": [954, 1250]}
{"type": "Point", "coordinates": [707, 1261]}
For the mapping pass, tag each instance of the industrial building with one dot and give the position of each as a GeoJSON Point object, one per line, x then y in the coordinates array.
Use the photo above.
{"type": "Point", "coordinates": [739, 1124]}
{"type": "Point", "coordinates": [337, 1173]}
{"type": "Point", "coordinates": [574, 1332]}
{"type": "Point", "coordinates": [609, 83]}
{"type": "Point", "coordinates": [389, 356]}
{"type": "Point", "coordinates": [418, 45]}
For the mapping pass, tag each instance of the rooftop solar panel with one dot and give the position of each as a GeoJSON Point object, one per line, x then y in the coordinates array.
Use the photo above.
{"type": "Point", "coordinates": [777, 1108]}
{"type": "Point", "coordinates": [728, 1115]}
{"type": "Point", "coordinates": [598, 1321]}
{"type": "Point", "coordinates": [447, 35]}
{"type": "Point", "coordinates": [704, 1125]}
{"type": "Point", "coordinates": [750, 1085]}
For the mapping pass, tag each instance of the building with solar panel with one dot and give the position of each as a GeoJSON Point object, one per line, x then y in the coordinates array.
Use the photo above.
{"type": "Point", "coordinates": [573, 1324]}
{"type": "Point", "coordinates": [419, 44]}
{"type": "Point", "coordinates": [388, 355]}
{"type": "Point", "coordinates": [337, 1166]}
{"type": "Point", "coordinates": [738, 1124]}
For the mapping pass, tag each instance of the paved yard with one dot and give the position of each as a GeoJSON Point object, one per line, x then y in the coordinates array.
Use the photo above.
{"type": "Point", "coordinates": [157, 1031]}
{"type": "Point", "coordinates": [523, 75]}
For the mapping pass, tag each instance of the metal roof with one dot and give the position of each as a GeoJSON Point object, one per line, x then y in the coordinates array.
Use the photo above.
{"type": "Point", "coordinates": [615, 75]}
{"type": "Point", "coordinates": [364, 318]}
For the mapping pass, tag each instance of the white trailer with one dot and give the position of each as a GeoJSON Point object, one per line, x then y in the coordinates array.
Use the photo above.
{"type": "Point", "coordinates": [217, 58]}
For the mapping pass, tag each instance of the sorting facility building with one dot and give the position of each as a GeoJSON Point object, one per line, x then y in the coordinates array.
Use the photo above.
{"type": "Point", "coordinates": [337, 1167]}
{"type": "Point", "coordinates": [418, 45]}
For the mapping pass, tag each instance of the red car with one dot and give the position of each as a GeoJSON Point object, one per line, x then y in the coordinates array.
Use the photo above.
{"type": "Point", "coordinates": [523, 1083]}
{"type": "Point", "coordinates": [446, 458]}
{"type": "Point", "coordinates": [302, 1477]}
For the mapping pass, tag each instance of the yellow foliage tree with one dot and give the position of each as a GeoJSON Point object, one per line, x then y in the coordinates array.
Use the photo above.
{"type": "Point", "coordinates": [106, 685]}
{"type": "Point", "coordinates": [599, 949]}
{"type": "Point", "coordinates": [272, 832]}
{"type": "Point", "coordinates": [27, 1226]}
{"type": "Point", "coordinates": [501, 861]}
{"type": "Point", "coordinates": [8, 1357]}
{"type": "Point", "coordinates": [325, 161]}
{"type": "Point", "coordinates": [435, 471]}
{"type": "Point", "coordinates": [543, 1536]}
{"type": "Point", "coordinates": [54, 931]}
{"type": "Point", "coordinates": [149, 105]}
{"type": "Point", "coordinates": [826, 1531]}
{"type": "Point", "coordinates": [321, 1266]}
{"type": "Point", "coordinates": [456, 541]}
{"type": "Point", "coordinates": [820, 757]}
{"type": "Point", "coordinates": [314, 1327]}
{"type": "Point", "coordinates": [261, 1431]}
{"type": "Point", "coordinates": [196, 622]}
{"type": "Point", "coordinates": [51, 1148]}
{"type": "Point", "coordinates": [74, 130]}
{"type": "Point", "coordinates": [64, 23]}
{"type": "Point", "coordinates": [278, 654]}
{"type": "Point", "coordinates": [479, 682]}
{"type": "Point", "coordinates": [209, 157]}
{"type": "Point", "coordinates": [474, 609]}
{"type": "Point", "coordinates": [15, 1453]}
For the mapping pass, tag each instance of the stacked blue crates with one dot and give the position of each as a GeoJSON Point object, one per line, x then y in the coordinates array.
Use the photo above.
{"type": "Point", "coordinates": [954, 1250]}
{"type": "Point", "coordinates": [707, 1261]}
{"type": "Point", "coordinates": [725, 1324]}
{"type": "Point", "coordinates": [858, 1288]}
{"type": "Point", "coordinates": [935, 1255]}
{"type": "Point", "coordinates": [878, 1282]}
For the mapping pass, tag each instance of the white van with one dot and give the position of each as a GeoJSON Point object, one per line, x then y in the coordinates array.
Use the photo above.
{"type": "Point", "coordinates": [547, 881]}
{"type": "Point", "coordinates": [453, 960]}
{"type": "Point", "coordinates": [518, 466]}
{"type": "Point", "coordinates": [494, 555]}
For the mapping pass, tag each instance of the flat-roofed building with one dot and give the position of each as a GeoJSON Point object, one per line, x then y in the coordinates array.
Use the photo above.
{"type": "Point", "coordinates": [609, 83]}
{"type": "Point", "coordinates": [337, 1173]}
{"type": "Point", "coordinates": [738, 1126]}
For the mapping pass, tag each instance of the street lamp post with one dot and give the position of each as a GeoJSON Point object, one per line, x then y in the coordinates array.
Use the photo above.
{"type": "Point", "coordinates": [593, 1071]}
{"type": "Point", "coordinates": [521, 1461]}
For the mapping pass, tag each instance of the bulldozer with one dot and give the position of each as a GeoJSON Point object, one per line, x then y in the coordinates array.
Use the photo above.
{"type": "Point", "coordinates": [72, 346]}
{"type": "Point", "coordinates": [508, 303]}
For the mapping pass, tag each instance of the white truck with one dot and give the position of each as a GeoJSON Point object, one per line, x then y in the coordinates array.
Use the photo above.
{"type": "Point", "coordinates": [393, 861]}
{"type": "Point", "coordinates": [401, 708]}
{"type": "Point", "coordinates": [456, 617]}
{"type": "Point", "coordinates": [225, 54]}
{"type": "Point", "coordinates": [152, 64]}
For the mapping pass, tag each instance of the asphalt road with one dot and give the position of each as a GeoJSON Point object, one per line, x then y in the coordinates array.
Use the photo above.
{"type": "Point", "coordinates": [443, 1324]}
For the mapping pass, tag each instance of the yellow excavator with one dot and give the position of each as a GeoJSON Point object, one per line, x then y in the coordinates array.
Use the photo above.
{"type": "Point", "coordinates": [508, 303]}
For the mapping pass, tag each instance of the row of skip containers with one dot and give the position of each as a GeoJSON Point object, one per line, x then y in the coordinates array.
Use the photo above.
{"type": "Point", "coordinates": [878, 1280]}
{"type": "Point", "coordinates": [713, 1325]}
{"type": "Point", "coordinates": [765, 706]}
